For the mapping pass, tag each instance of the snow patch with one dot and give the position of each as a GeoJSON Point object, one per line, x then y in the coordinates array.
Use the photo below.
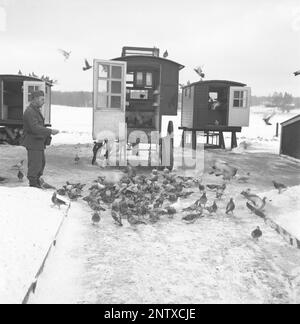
{"type": "Point", "coordinates": [284, 209]}
{"type": "Point", "coordinates": [28, 225]}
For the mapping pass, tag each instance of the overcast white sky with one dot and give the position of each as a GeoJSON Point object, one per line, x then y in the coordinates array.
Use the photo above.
{"type": "Point", "coordinates": [256, 42]}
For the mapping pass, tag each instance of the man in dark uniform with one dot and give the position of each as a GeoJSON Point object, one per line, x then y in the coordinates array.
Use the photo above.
{"type": "Point", "coordinates": [36, 137]}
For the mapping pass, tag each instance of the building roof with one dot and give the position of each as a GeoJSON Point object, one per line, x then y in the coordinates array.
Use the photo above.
{"type": "Point", "coordinates": [291, 120]}
{"type": "Point", "coordinates": [155, 58]}
{"type": "Point", "coordinates": [211, 82]}
{"type": "Point", "coordinates": [23, 78]}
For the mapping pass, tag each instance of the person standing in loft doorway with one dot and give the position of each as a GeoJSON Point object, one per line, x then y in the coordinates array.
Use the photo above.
{"type": "Point", "coordinates": [36, 137]}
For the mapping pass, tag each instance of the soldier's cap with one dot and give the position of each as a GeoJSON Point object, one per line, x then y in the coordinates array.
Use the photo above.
{"type": "Point", "coordinates": [37, 94]}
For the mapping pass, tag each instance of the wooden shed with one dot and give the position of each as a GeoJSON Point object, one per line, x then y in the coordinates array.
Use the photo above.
{"type": "Point", "coordinates": [15, 96]}
{"type": "Point", "coordinates": [290, 137]}
{"type": "Point", "coordinates": [216, 106]}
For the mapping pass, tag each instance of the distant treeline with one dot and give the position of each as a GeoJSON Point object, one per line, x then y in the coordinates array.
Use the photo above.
{"type": "Point", "coordinates": [73, 99]}
{"type": "Point", "coordinates": [84, 99]}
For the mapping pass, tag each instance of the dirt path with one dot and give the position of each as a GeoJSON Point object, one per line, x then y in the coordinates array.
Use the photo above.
{"type": "Point", "coordinates": [211, 261]}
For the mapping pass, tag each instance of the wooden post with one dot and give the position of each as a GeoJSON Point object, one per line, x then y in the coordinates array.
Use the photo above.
{"type": "Point", "coordinates": [222, 142]}
{"type": "Point", "coordinates": [207, 137]}
{"type": "Point", "coordinates": [194, 140]}
{"type": "Point", "coordinates": [233, 140]}
{"type": "Point", "coordinates": [183, 139]}
{"type": "Point", "coordinates": [277, 129]}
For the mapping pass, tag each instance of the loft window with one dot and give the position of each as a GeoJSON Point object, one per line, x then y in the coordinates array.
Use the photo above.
{"type": "Point", "coordinates": [240, 99]}
{"type": "Point", "coordinates": [139, 79]}
{"type": "Point", "coordinates": [149, 79]}
{"type": "Point", "coordinates": [144, 79]}
{"type": "Point", "coordinates": [130, 78]}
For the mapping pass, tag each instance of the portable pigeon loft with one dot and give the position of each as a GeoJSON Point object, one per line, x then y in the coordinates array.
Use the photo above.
{"type": "Point", "coordinates": [290, 138]}
{"type": "Point", "coordinates": [133, 97]}
{"type": "Point", "coordinates": [214, 107]}
{"type": "Point", "coordinates": [15, 93]}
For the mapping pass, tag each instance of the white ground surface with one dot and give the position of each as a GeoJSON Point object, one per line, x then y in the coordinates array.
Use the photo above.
{"type": "Point", "coordinates": [27, 228]}
{"type": "Point", "coordinates": [213, 260]}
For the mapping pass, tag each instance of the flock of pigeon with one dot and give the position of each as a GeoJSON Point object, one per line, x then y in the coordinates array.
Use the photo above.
{"type": "Point", "coordinates": [141, 199]}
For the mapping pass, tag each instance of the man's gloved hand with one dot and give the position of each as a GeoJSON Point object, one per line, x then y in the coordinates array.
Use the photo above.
{"type": "Point", "coordinates": [54, 132]}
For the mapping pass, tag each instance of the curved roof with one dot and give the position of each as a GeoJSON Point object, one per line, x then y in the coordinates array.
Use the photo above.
{"type": "Point", "coordinates": [23, 78]}
{"type": "Point", "coordinates": [211, 82]}
{"type": "Point", "coordinates": [125, 58]}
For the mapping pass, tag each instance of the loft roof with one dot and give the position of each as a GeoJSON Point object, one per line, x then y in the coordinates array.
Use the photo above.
{"type": "Point", "coordinates": [144, 57]}
{"type": "Point", "coordinates": [23, 78]}
{"type": "Point", "coordinates": [212, 82]}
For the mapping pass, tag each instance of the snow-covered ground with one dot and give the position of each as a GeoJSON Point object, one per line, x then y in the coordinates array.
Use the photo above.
{"type": "Point", "coordinates": [76, 126]}
{"type": "Point", "coordinates": [213, 260]}
{"type": "Point", "coordinates": [285, 209]}
{"type": "Point", "coordinates": [27, 228]}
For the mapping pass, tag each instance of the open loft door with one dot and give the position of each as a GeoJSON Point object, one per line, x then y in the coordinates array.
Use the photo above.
{"type": "Point", "coordinates": [239, 106]}
{"type": "Point", "coordinates": [28, 88]}
{"type": "Point", "coordinates": [109, 100]}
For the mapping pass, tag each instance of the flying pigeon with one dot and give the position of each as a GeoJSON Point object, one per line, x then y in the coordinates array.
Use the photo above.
{"type": "Point", "coordinates": [199, 71]}
{"type": "Point", "coordinates": [57, 202]}
{"type": "Point", "coordinates": [65, 54]}
{"type": "Point", "coordinates": [87, 65]}
{"type": "Point", "coordinates": [267, 118]}
{"type": "Point", "coordinates": [257, 233]}
{"type": "Point", "coordinates": [20, 176]}
{"type": "Point", "coordinates": [166, 54]}
{"type": "Point", "coordinates": [96, 218]}
{"type": "Point", "coordinates": [255, 200]}
{"type": "Point", "coordinates": [297, 73]}
{"type": "Point", "coordinates": [279, 186]}
{"type": "Point", "coordinates": [230, 207]}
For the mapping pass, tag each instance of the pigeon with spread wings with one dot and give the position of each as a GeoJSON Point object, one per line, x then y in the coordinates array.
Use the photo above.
{"type": "Point", "coordinates": [268, 117]}
{"type": "Point", "coordinates": [87, 65]}
{"type": "Point", "coordinates": [65, 54]}
{"type": "Point", "coordinates": [199, 71]}
{"type": "Point", "coordinates": [297, 73]}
